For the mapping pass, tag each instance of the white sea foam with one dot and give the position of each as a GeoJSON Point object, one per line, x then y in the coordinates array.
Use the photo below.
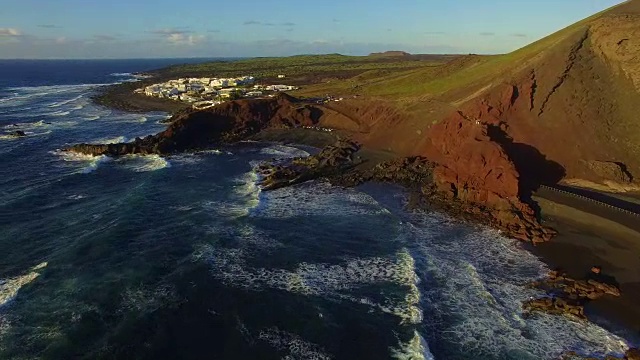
{"type": "Point", "coordinates": [8, 137]}
{"type": "Point", "coordinates": [283, 151]}
{"type": "Point", "coordinates": [58, 113]}
{"type": "Point", "coordinates": [246, 198]}
{"type": "Point", "coordinates": [186, 159]}
{"type": "Point", "coordinates": [144, 299]}
{"type": "Point", "coordinates": [415, 349]}
{"type": "Point", "coordinates": [51, 89]}
{"type": "Point", "coordinates": [22, 94]}
{"type": "Point", "coordinates": [110, 140]}
{"type": "Point", "coordinates": [465, 286]}
{"type": "Point", "coordinates": [25, 126]}
{"type": "Point", "coordinates": [327, 280]}
{"type": "Point", "coordinates": [296, 347]}
{"type": "Point", "coordinates": [319, 199]}
{"type": "Point", "coordinates": [65, 102]}
{"type": "Point", "coordinates": [40, 124]}
{"type": "Point", "coordinates": [247, 189]}
{"type": "Point", "coordinates": [9, 287]}
{"type": "Point", "coordinates": [87, 163]}
{"type": "Point", "coordinates": [143, 163]}
{"type": "Point", "coordinates": [76, 197]}
{"type": "Point", "coordinates": [476, 282]}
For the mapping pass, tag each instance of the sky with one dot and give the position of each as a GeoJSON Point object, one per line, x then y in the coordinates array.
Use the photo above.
{"type": "Point", "coordinates": [84, 29]}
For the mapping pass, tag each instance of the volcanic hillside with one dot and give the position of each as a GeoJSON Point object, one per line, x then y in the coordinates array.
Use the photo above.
{"type": "Point", "coordinates": [566, 107]}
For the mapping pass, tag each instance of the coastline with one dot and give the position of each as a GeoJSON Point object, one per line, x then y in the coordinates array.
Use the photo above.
{"type": "Point", "coordinates": [585, 239]}
{"type": "Point", "coordinates": [567, 250]}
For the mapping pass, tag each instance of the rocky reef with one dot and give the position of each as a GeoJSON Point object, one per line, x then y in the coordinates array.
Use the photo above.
{"type": "Point", "coordinates": [567, 296]}
{"type": "Point", "coordinates": [16, 134]}
{"type": "Point", "coordinates": [331, 162]}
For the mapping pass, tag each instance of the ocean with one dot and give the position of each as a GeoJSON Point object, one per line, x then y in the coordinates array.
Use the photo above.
{"type": "Point", "coordinates": [183, 257]}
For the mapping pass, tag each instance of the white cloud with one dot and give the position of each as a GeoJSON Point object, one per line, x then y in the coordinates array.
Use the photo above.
{"type": "Point", "coordinates": [177, 36]}
{"type": "Point", "coordinates": [10, 32]}
{"type": "Point", "coordinates": [10, 35]}
{"type": "Point", "coordinates": [182, 39]}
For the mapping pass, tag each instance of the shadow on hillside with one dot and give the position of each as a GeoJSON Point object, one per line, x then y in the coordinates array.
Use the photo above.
{"type": "Point", "coordinates": [534, 167]}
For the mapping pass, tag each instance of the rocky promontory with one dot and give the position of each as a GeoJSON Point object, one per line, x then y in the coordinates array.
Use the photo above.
{"type": "Point", "coordinates": [229, 122]}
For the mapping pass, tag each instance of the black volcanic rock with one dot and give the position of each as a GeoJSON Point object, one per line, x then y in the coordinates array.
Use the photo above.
{"type": "Point", "coordinates": [17, 133]}
{"type": "Point", "coordinates": [226, 123]}
{"type": "Point", "coordinates": [332, 161]}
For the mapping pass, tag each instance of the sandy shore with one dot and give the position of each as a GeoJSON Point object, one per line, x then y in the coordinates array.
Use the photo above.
{"type": "Point", "coordinates": [589, 235]}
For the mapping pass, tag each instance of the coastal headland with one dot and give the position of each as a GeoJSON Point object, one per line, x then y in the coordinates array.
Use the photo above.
{"type": "Point", "coordinates": [501, 140]}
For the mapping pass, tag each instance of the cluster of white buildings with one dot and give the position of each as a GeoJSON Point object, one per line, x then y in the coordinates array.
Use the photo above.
{"type": "Point", "coordinates": [185, 89]}
{"type": "Point", "coordinates": [206, 92]}
{"type": "Point", "coordinates": [318, 128]}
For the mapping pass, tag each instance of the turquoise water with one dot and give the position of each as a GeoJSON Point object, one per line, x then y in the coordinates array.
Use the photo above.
{"type": "Point", "coordinates": [145, 257]}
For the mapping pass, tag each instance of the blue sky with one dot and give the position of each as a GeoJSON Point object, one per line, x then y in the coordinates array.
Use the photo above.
{"type": "Point", "coordinates": [210, 28]}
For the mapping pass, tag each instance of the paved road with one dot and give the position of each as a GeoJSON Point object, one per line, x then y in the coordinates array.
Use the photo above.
{"type": "Point", "coordinates": [608, 207]}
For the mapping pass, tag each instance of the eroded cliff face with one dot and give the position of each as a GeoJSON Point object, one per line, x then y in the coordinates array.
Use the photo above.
{"type": "Point", "coordinates": [473, 168]}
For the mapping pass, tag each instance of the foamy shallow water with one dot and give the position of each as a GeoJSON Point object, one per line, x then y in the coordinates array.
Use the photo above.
{"type": "Point", "coordinates": [463, 285]}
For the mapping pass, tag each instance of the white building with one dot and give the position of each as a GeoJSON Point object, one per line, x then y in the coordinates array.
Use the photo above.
{"type": "Point", "coordinates": [254, 94]}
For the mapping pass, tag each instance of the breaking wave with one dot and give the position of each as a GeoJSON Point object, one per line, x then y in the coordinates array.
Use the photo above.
{"type": "Point", "coordinates": [110, 140]}
{"type": "Point", "coordinates": [87, 163]}
{"type": "Point", "coordinates": [473, 283]}
{"type": "Point", "coordinates": [65, 102]}
{"type": "Point", "coordinates": [283, 151]}
{"type": "Point", "coordinates": [463, 286]}
{"type": "Point", "coordinates": [9, 287]}
{"type": "Point", "coordinates": [143, 163]}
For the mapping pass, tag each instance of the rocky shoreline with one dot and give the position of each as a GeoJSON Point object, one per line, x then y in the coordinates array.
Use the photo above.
{"type": "Point", "coordinates": [469, 175]}
{"type": "Point", "coordinates": [461, 171]}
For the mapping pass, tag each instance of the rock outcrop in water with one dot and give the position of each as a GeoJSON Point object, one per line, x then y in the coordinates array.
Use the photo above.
{"type": "Point", "coordinates": [332, 161]}
{"type": "Point", "coordinates": [228, 122]}
{"type": "Point", "coordinates": [567, 296]}
{"type": "Point", "coordinates": [17, 134]}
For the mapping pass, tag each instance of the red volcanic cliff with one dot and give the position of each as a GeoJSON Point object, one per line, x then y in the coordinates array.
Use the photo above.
{"type": "Point", "coordinates": [473, 168]}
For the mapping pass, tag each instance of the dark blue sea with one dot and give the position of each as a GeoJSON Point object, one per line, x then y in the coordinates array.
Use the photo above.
{"type": "Point", "coordinates": [183, 257]}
